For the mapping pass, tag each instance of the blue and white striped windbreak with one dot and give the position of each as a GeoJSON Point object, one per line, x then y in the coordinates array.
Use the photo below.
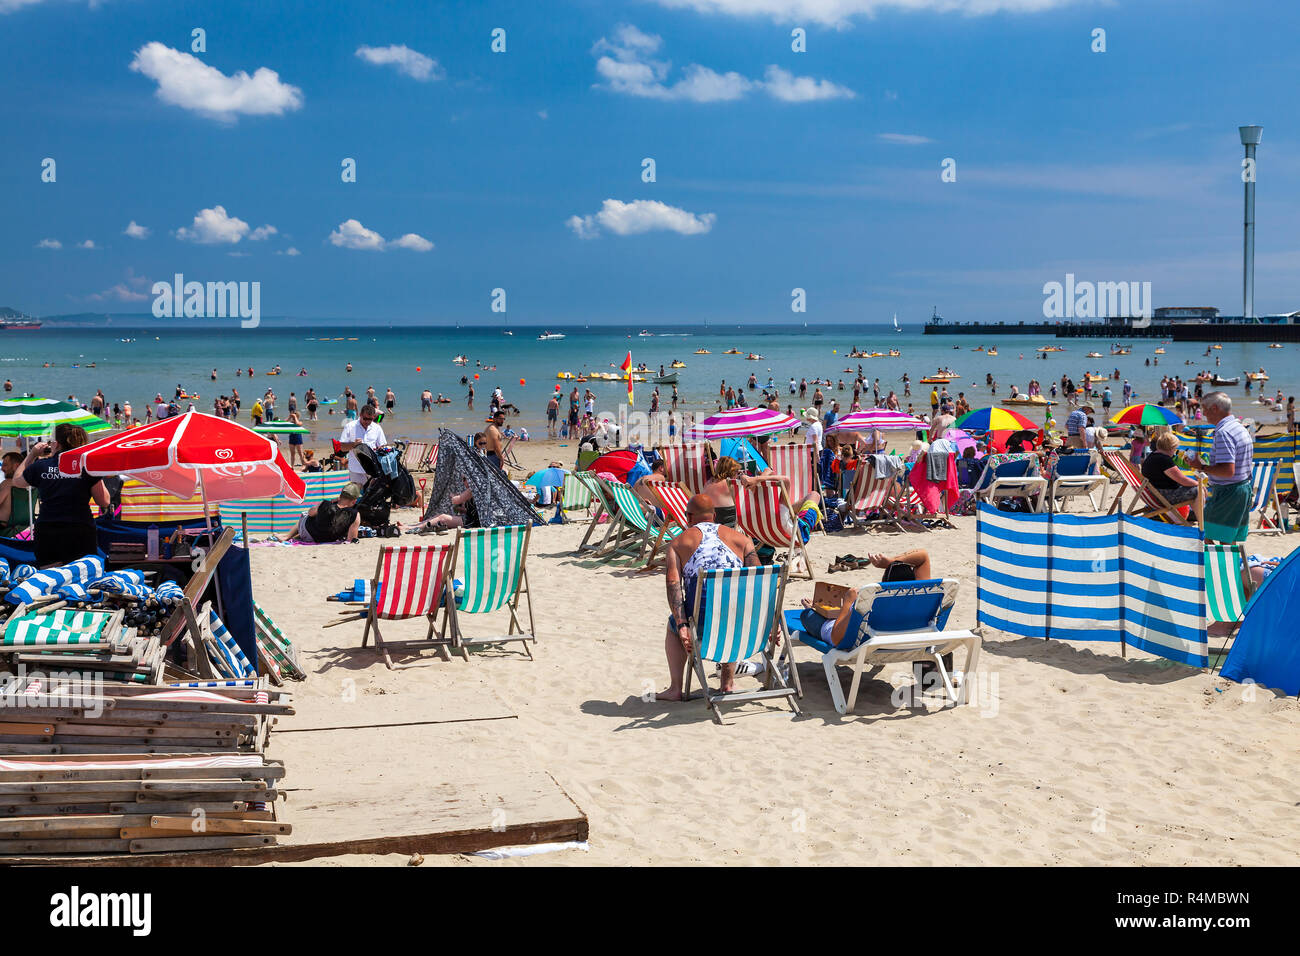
{"type": "Point", "coordinates": [81, 571]}
{"type": "Point", "coordinates": [735, 611]}
{"type": "Point", "coordinates": [1108, 578]}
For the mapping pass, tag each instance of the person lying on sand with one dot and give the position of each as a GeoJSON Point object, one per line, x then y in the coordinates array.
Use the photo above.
{"type": "Point", "coordinates": [704, 546]}
{"type": "Point", "coordinates": [330, 521]}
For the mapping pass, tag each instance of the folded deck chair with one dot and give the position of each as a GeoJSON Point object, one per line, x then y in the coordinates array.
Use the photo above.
{"type": "Point", "coordinates": [431, 462]}
{"type": "Point", "coordinates": [672, 498]}
{"type": "Point", "coordinates": [1263, 486]}
{"type": "Point", "coordinates": [765, 513]}
{"type": "Point", "coordinates": [736, 617]}
{"type": "Point", "coordinates": [1228, 586]}
{"type": "Point", "coordinates": [1013, 479]}
{"type": "Point", "coordinates": [493, 564]}
{"type": "Point", "coordinates": [409, 582]}
{"type": "Point", "coordinates": [508, 458]}
{"type": "Point", "coordinates": [687, 464]}
{"type": "Point", "coordinates": [1075, 477]}
{"type": "Point", "coordinates": [414, 455]}
{"type": "Point", "coordinates": [902, 622]}
{"type": "Point", "coordinates": [575, 499]}
{"type": "Point", "coordinates": [1144, 500]}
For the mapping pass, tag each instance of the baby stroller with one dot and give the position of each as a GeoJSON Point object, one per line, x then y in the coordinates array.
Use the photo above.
{"type": "Point", "coordinates": [388, 484]}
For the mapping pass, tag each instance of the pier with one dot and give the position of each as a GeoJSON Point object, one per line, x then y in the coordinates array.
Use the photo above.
{"type": "Point", "coordinates": [1229, 329]}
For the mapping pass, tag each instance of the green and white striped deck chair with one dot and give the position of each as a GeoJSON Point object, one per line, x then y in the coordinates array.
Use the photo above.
{"type": "Point", "coordinates": [492, 563]}
{"type": "Point", "coordinates": [589, 481]}
{"type": "Point", "coordinates": [634, 529]}
{"type": "Point", "coordinates": [737, 616]}
{"type": "Point", "coordinates": [575, 496]}
{"type": "Point", "coordinates": [1227, 589]}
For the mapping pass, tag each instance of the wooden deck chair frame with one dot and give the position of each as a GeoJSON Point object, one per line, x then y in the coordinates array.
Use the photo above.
{"type": "Point", "coordinates": [516, 631]}
{"type": "Point", "coordinates": [602, 508]}
{"type": "Point", "coordinates": [184, 619]}
{"type": "Point", "coordinates": [1144, 500]}
{"type": "Point", "coordinates": [873, 494]}
{"type": "Point", "coordinates": [801, 455]}
{"type": "Point", "coordinates": [437, 596]}
{"type": "Point", "coordinates": [1238, 552]}
{"type": "Point", "coordinates": [414, 455]}
{"type": "Point", "coordinates": [794, 545]}
{"type": "Point", "coordinates": [775, 686]}
{"type": "Point", "coordinates": [677, 464]}
{"type": "Point", "coordinates": [1261, 503]}
{"type": "Point", "coordinates": [629, 533]}
{"type": "Point", "coordinates": [508, 458]}
{"type": "Point", "coordinates": [567, 509]}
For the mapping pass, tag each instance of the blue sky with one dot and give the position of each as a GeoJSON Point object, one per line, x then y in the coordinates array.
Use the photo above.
{"type": "Point", "coordinates": [522, 170]}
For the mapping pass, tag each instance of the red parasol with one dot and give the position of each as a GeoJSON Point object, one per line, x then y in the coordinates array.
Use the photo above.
{"type": "Point", "coordinates": [618, 463]}
{"type": "Point", "coordinates": [192, 452]}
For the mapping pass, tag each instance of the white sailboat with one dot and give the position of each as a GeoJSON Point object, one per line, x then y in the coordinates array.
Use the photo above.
{"type": "Point", "coordinates": [896, 328]}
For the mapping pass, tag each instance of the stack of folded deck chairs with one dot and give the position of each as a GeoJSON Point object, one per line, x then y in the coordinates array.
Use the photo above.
{"type": "Point", "coordinates": [98, 755]}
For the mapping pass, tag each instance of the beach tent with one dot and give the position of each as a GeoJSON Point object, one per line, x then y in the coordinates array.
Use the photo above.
{"type": "Point", "coordinates": [496, 498]}
{"type": "Point", "coordinates": [741, 450]}
{"type": "Point", "coordinates": [1267, 649]}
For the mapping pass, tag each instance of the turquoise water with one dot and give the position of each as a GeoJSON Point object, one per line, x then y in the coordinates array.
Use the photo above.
{"type": "Point", "coordinates": [410, 359]}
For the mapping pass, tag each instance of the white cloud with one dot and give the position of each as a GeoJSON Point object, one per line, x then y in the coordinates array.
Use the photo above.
{"type": "Point", "coordinates": [214, 226]}
{"type": "Point", "coordinates": [9, 6]}
{"type": "Point", "coordinates": [904, 139]}
{"type": "Point", "coordinates": [87, 244]}
{"type": "Point", "coordinates": [136, 231]}
{"type": "Point", "coordinates": [186, 81]}
{"type": "Point", "coordinates": [291, 251]}
{"type": "Point", "coordinates": [639, 216]}
{"type": "Point", "coordinates": [543, 114]}
{"type": "Point", "coordinates": [784, 85]}
{"type": "Point", "coordinates": [626, 65]}
{"type": "Point", "coordinates": [838, 13]}
{"type": "Point", "coordinates": [411, 62]}
{"type": "Point", "coordinates": [413, 242]}
{"type": "Point", "coordinates": [350, 234]}
{"type": "Point", "coordinates": [49, 244]}
{"type": "Point", "coordinates": [132, 290]}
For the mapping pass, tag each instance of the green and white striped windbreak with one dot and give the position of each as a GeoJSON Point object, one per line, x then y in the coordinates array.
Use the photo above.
{"type": "Point", "coordinates": [38, 416]}
{"type": "Point", "coordinates": [1225, 590]}
{"type": "Point", "coordinates": [492, 561]}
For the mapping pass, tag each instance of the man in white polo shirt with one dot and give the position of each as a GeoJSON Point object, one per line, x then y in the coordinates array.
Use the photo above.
{"type": "Point", "coordinates": [364, 430]}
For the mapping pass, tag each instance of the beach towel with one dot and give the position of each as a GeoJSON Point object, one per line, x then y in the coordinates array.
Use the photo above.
{"type": "Point", "coordinates": [41, 583]}
{"type": "Point", "coordinates": [936, 460]}
{"type": "Point", "coordinates": [1227, 512]}
{"type": "Point", "coordinates": [930, 492]}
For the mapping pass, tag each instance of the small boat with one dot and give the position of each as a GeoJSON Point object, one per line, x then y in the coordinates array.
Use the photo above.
{"type": "Point", "coordinates": [731, 352]}
{"type": "Point", "coordinates": [564, 375]}
{"type": "Point", "coordinates": [992, 351]}
{"type": "Point", "coordinates": [1216, 346]}
{"type": "Point", "coordinates": [1260, 376]}
{"type": "Point", "coordinates": [669, 379]}
{"type": "Point", "coordinates": [1275, 345]}
{"type": "Point", "coordinates": [1219, 380]}
{"type": "Point", "coordinates": [894, 353]}
{"type": "Point", "coordinates": [678, 365]}
{"type": "Point", "coordinates": [644, 334]}
{"type": "Point", "coordinates": [1160, 351]}
{"type": "Point", "coordinates": [703, 352]}
{"type": "Point", "coordinates": [1121, 351]}
{"type": "Point", "coordinates": [505, 332]}
{"type": "Point", "coordinates": [1094, 355]}
{"type": "Point", "coordinates": [547, 336]}
{"type": "Point", "coordinates": [978, 348]}
{"type": "Point", "coordinates": [896, 328]}
{"type": "Point", "coordinates": [935, 380]}
{"type": "Point", "coordinates": [460, 360]}
{"type": "Point", "coordinates": [1028, 400]}
{"type": "Point", "coordinates": [753, 357]}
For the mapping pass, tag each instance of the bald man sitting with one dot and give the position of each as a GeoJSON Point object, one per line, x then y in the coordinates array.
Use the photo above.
{"type": "Point", "coordinates": [703, 546]}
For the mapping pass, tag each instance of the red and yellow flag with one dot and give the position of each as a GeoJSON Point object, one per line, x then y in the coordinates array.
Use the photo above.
{"type": "Point", "coordinates": [627, 367]}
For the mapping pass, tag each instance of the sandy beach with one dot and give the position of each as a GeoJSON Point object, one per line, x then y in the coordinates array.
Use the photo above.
{"type": "Point", "coordinates": [1069, 754]}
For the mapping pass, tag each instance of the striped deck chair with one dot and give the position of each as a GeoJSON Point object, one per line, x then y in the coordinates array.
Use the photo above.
{"type": "Point", "coordinates": [672, 498]}
{"type": "Point", "coordinates": [431, 462]}
{"type": "Point", "coordinates": [414, 455]}
{"type": "Point", "coordinates": [687, 464]}
{"type": "Point", "coordinates": [493, 562]}
{"type": "Point", "coordinates": [1144, 500]}
{"type": "Point", "coordinates": [409, 582]}
{"type": "Point", "coordinates": [575, 497]}
{"type": "Point", "coordinates": [764, 512]}
{"type": "Point", "coordinates": [871, 495]}
{"type": "Point", "coordinates": [1228, 585]}
{"type": "Point", "coordinates": [603, 509]}
{"type": "Point", "coordinates": [1263, 484]}
{"type": "Point", "coordinates": [737, 616]}
{"type": "Point", "coordinates": [632, 526]}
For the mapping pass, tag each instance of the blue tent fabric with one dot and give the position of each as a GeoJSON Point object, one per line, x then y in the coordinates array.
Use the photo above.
{"type": "Point", "coordinates": [1267, 649]}
{"type": "Point", "coordinates": [741, 450]}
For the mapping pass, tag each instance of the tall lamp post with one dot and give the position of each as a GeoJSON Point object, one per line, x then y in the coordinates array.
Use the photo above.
{"type": "Point", "coordinates": [1250, 137]}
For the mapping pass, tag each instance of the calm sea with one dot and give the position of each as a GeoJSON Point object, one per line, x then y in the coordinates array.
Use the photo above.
{"type": "Point", "coordinates": [411, 359]}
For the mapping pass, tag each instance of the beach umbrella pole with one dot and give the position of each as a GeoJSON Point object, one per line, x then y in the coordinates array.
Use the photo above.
{"type": "Point", "coordinates": [207, 521]}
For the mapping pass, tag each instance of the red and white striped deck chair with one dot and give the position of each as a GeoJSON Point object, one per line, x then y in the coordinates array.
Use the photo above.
{"type": "Point", "coordinates": [414, 456]}
{"type": "Point", "coordinates": [796, 463]}
{"type": "Point", "coordinates": [874, 496]}
{"type": "Point", "coordinates": [1145, 501]}
{"type": "Point", "coordinates": [431, 462]}
{"type": "Point", "coordinates": [409, 582]}
{"type": "Point", "coordinates": [672, 498]}
{"type": "Point", "coordinates": [687, 464]}
{"type": "Point", "coordinates": [764, 512]}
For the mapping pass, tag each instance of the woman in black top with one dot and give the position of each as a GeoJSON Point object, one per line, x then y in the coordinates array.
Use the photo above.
{"type": "Point", "coordinates": [1166, 477]}
{"type": "Point", "coordinates": [65, 528]}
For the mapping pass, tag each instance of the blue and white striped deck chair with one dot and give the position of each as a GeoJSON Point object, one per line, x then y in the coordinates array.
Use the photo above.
{"type": "Point", "coordinates": [492, 562]}
{"type": "Point", "coordinates": [1263, 487]}
{"type": "Point", "coordinates": [902, 622]}
{"type": "Point", "coordinates": [1228, 586]}
{"type": "Point", "coordinates": [736, 616]}
{"type": "Point", "coordinates": [226, 654]}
